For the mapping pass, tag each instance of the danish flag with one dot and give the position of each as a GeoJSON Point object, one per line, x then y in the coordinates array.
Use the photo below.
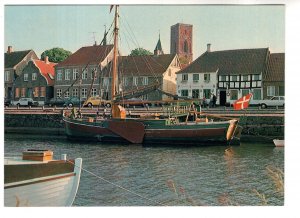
{"type": "Point", "coordinates": [242, 103]}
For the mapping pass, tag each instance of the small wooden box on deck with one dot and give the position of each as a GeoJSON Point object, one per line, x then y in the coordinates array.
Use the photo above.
{"type": "Point", "coordinates": [37, 155]}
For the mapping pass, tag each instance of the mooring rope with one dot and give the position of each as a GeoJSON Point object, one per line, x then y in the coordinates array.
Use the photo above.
{"type": "Point", "coordinates": [125, 189]}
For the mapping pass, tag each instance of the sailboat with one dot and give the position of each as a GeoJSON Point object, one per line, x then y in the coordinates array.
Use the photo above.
{"type": "Point", "coordinates": [165, 130]}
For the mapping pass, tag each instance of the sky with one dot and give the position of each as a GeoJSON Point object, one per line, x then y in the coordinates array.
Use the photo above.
{"type": "Point", "coordinates": [42, 27]}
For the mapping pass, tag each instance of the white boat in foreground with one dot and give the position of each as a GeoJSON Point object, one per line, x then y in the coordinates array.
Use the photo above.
{"type": "Point", "coordinates": [36, 180]}
{"type": "Point", "coordinates": [279, 142]}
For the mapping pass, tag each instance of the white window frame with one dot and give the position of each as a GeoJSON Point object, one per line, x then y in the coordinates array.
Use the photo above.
{"type": "Point", "coordinates": [33, 76]}
{"type": "Point", "coordinates": [75, 92]}
{"type": "Point", "coordinates": [67, 94]}
{"type": "Point", "coordinates": [94, 92]}
{"type": "Point", "coordinates": [94, 73]}
{"type": "Point", "coordinates": [59, 75]}
{"type": "Point", "coordinates": [58, 93]}
{"type": "Point", "coordinates": [271, 90]}
{"type": "Point", "coordinates": [206, 77]}
{"type": "Point", "coordinates": [83, 92]}
{"type": "Point", "coordinates": [7, 76]}
{"type": "Point", "coordinates": [67, 74]}
{"type": "Point", "coordinates": [145, 80]}
{"type": "Point", "coordinates": [75, 73]}
{"type": "Point", "coordinates": [196, 74]}
{"type": "Point", "coordinates": [25, 77]}
{"type": "Point", "coordinates": [185, 77]}
{"type": "Point", "coordinates": [84, 73]}
{"type": "Point", "coordinates": [135, 80]}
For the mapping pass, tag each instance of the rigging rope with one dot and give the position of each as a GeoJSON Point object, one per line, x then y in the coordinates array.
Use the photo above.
{"type": "Point", "coordinates": [118, 186]}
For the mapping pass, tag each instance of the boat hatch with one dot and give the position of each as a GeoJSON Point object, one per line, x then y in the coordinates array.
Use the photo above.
{"type": "Point", "coordinates": [37, 155]}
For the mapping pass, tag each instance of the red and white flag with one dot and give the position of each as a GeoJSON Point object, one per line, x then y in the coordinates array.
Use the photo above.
{"type": "Point", "coordinates": [242, 103]}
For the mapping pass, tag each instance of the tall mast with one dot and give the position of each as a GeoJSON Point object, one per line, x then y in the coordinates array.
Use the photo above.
{"type": "Point", "coordinates": [114, 67]}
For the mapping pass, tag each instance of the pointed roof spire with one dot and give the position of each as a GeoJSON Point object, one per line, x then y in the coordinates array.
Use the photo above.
{"type": "Point", "coordinates": [158, 49]}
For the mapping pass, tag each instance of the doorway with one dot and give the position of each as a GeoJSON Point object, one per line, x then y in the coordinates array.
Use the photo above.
{"type": "Point", "coordinates": [222, 98]}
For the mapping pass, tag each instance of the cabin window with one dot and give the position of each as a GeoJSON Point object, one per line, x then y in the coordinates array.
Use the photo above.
{"type": "Point", "coordinates": [271, 90]}
{"type": "Point", "coordinates": [256, 94]}
{"type": "Point", "coordinates": [43, 91]}
{"type": "Point", "coordinates": [59, 75]}
{"type": "Point", "coordinates": [67, 94]}
{"type": "Point", "coordinates": [206, 77]}
{"type": "Point", "coordinates": [36, 92]}
{"type": "Point", "coordinates": [185, 77]}
{"type": "Point", "coordinates": [83, 92]}
{"type": "Point", "coordinates": [25, 76]}
{"type": "Point", "coordinates": [67, 74]}
{"type": "Point", "coordinates": [75, 92]}
{"type": "Point", "coordinates": [195, 93]}
{"type": "Point", "coordinates": [196, 77]}
{"type": "Point", "coordinates": [185, 93]}
{"type": "Point", "coordinates": [84, 73]}
{"type": "Point", "coordinates": [75, 74]}
{"type": "Point", "coordinates": [58, 93]}
{"type": "Point", "coordinates": [17, 92]}
{"type": "Point", "coordinates": [7, 76]}
{"type": "Point", "coordinates": [233, 94]}
{"type": "Point", "coordinates": [94, 92]}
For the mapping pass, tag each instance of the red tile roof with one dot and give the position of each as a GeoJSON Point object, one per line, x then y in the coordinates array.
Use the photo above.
{"type": "Point", "coordinates": [87, 55]}
{"type": "Point", "coordinates": [47, 70]}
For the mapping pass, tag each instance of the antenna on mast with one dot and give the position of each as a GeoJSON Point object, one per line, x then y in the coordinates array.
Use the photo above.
{"type": "Point", "coordinates": [94, 37]}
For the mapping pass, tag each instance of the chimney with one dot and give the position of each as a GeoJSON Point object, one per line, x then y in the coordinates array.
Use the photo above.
{"type": "Point", "coordinates": [46, 60]}
{"type": "Point", "coordinates": [9, 49]}
{"type": "Point", "coordinates": [208, 47]}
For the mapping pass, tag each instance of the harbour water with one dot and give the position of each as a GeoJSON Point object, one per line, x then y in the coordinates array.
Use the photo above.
{"type": "Point", "coordinates": [136, 175]}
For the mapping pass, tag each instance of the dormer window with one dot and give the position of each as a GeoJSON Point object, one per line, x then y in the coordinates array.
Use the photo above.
{"type": "Point", "coordinates": [25, 76]}
{"type": "Point", "coordinates": [34, 76]}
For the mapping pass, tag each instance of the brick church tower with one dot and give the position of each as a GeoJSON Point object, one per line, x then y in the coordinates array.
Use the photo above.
{"type": "Point", "coordinates": [182, 42]}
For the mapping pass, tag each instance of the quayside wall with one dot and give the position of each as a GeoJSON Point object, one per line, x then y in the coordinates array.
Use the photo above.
{"type": "Point", "coordinates": [256, 127]}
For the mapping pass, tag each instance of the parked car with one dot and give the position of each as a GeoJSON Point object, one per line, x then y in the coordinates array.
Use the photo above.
{"type": "Point", "coordinates": [25, 102]}
{"type": "Point", "coordinates": [96, 101]}
{"type": "Point", "coordinates": [72, 101]}
{"type": "Point", "coordinates": [7, 102]}
{"type": "Point", "coordinates": [272, 102]}
{"type": "Point", "coordinates": [55, 102]}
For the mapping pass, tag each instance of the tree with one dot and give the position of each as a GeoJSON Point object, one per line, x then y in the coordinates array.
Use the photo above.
{"type": "Point", "coordinates": [56, 55]}
{"type": "Point", "coordinates": [139, 52]}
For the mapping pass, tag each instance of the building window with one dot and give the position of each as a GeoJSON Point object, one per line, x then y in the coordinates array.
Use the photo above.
{"type": "Point", "coordinates": [25, 76]}
{"type": "Point", "coordinates": [75, 92]}
{"type": "Point", "coordinates": [94, 73]}
{"type": "Point", "coordinates": [245, 92]}
{"type": "Point", "coordinates": [245, 77]}
{"type": "Point", "coordinates": [83, 92]}
{"type": "Point", "coordinates": [7, 76]}
{"type": "Point", "coordinates": [125, 81]}
{"type": "Point", "coordinates": [67, 74]}
{"type": "Point", "coordinates": [33, 76]}
{"type": "Point", "coordinates": [58, 93]}
{"type": "Point", "coordinates": [94, 92]}
{"type": "Point", "coordinates": [43, 91]}
{"type": "Point", "coordinates": [67, 94]}
{"type": "Point", "coordinates": [256, 94]}
{"type": "Point", "coordinates": [222, 78]}
{"type": "Point", "coordinates": [185, 77]}
{"type": "Point", "coordinates": [234, 78]}
{"type": "Point", "coordinates": [23, 92]}
{"type": "Point", "coordinates": [59, 75]}
{"type": "Point", "coordinates": [36, 92]}
{"type": "Point", "coordinates": [17, 92]}
{"type": "Point", "coordinates": [271, 90]}
{"type": "Point", "coordinates": [281, 91]}
{"type": "Point", "coordinates": [105, 81]}
{"type": "Point", "coordinates": [195, 93]}
{"type": "Point", "coordinates": [84, 73]}
{"type": "Point", "coordinates": [185, 92]}
{"type": "Point", "coordinates": [145, 80]}
{"type": "Point", "coordinates": [233, 94]}
{"type": "Point", "coordinates": [206, 93]}
{"type": "Point", "coordinates": [256, 77]}
{"type": "Point", "coordinates": [75, 74]}
{"type": "Point", "coordinates": [195, 77]}
{"type": "Point", "coordinates": [135, 80]}
{"type": "Point", "coordinates": [206, 77]}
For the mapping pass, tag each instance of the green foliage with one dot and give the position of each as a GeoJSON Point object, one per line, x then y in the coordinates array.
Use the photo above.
{"type": "Point", "coordinates": [56, 55]}
{"type": "Point", "coordinates": [140, 52]}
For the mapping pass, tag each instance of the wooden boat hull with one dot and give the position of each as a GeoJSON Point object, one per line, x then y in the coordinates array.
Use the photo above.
{"type": "Point", "coordinates": [53, 183]}
{"type": "Point", "coordinates": [278, 143]}
{"type": "Point", "coordinates": [155, 131]}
